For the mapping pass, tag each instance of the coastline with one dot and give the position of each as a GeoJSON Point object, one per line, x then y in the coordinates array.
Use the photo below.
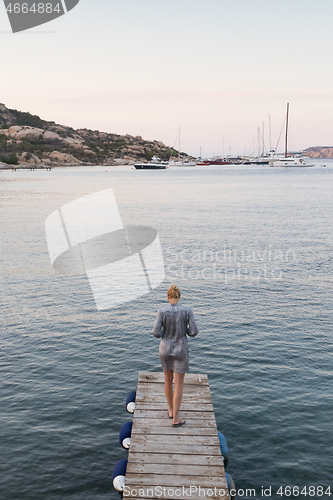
{"type": "Point", "coordinates": [41, 166]}
{"type": "Point", "coordinates": [51, 167]}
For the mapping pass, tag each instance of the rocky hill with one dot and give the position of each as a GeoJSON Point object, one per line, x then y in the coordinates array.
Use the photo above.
{"type": "Point", "coordinates": [319, 152]}
{"type": "Point", "coordinates": [27, 139]}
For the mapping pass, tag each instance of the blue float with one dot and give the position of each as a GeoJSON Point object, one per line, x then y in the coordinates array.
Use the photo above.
{"type": "Point", "coordinates": [130, 402]}
{"type": "Point", "coordinates": [118, 475]}
{"type": "Point", "coordinates": [125, 435]}
{"type": "Point", "coordinates": [224, 448]}
{"type": "Point", "coordinates": [231, 486]}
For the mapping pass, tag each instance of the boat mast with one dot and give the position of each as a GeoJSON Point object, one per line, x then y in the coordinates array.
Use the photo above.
{"type": "Point", "coordinates": [179, 145]}
{"type": "Point", "coordinates": [286, 140]}
{"type": "Point", "coordinates": [258, 138]}
{"type": "Point", "coordinates": [263, 139]}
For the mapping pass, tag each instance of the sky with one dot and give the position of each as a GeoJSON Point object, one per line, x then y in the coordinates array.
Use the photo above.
{"type": "Point", "coordinates": [217, 68]}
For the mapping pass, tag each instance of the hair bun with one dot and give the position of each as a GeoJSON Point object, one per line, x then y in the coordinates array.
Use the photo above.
{"type": "Point", "coordinates": [174, 292]}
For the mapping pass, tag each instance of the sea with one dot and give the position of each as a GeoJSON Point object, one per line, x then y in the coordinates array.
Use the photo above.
{"type": "Point", "coordinates": [251, 249]}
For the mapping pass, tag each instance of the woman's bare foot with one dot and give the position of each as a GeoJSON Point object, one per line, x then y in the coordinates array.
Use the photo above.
{"type": "Point", "coordinates": [170, 414]}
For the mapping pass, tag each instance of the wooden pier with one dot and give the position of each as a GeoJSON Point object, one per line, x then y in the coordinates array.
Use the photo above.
{"type": "Point", "coordinates": [174, 462]}
{"type": "Point", "coordinates": [31, 167]}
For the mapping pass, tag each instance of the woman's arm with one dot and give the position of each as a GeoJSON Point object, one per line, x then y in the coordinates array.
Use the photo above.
{"type": "Point", "coordinates": [158, 326]}
{"type": "Point", "coordinates": [192, 329]}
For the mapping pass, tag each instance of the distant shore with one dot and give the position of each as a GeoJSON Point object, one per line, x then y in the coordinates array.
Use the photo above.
{"type": "Point", "coordinates": [28, 166]}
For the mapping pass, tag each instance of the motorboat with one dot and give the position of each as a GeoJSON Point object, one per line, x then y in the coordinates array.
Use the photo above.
{"type": "Point", "coordinates": [213, 161]}
{"type": "Point", "coordinates": [154, 164]}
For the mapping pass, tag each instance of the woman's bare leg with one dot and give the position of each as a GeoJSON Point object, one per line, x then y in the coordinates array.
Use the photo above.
{"type": "Point", "coordinates": [177, 396]}
{"type": "Point", "coordinates": [168, 379]}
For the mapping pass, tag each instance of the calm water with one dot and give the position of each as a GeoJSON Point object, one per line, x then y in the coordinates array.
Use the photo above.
{"type": "Point", "coordinates": [251, 249]}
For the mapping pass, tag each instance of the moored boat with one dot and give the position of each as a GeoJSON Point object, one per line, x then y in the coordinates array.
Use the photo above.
{"type": "Point", "coordinates": [182, 163]}
{"type": "Point", "coordinates": [219, 161]}
{"type": "Point", "coordinates": [295, 161]}
{"type": "Point", "coordinates": [289, 161]}
{"type": "Point", "coordinates": [261, 160]}
{"type": "Point", "coordinates": [154, 164]}
{"type": "Point", "coordinates": [213, 161]}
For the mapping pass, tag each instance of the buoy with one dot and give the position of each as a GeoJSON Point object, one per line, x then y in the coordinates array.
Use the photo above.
{"type": "Point", "coordinates": [125, 435]}
{"type": "Point", "coordinates": [130, 402]}
{"type": "Point", "coordinates": [118, 475]}
{"type": "Point", "coordinates": [231, 486]}
{"type": "Point", "coordinates": [224, 448]}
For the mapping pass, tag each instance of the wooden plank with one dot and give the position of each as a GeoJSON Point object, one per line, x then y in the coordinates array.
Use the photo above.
{"type": "Point", "coordinates": [194, 390]}
{"type": "Point", "coordinates": [174, 469]}
{"type": "Point", "coordinates": [174, 458]}
{"type": "Point", "coordinates": [201, 392]}
{"type": "Point", "coordinates": [157, 430]}
{"type": "Point", "coordinates": [176, 480]}
{"type": "Point", "coordinates": [160, 398]}
{"type": "Point", "coordinates": [185, 430]}
{"type": "Point", "coordinates": [157, 425]}
{"type": "Point", "coordinates": [207, 416]}
{"type": "Point", "coordinates": [191, 449]}
{"type": "Point", "coordinates": [159, 389]}
{"type": "Point", "coordinates": [177, 440]}
{"type": "Point", "coordinates": [158, 377]}
{"type": "Point", "coordinates": [186, 405]}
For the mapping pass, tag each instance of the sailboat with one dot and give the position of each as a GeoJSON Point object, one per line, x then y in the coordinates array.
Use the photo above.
{"type": "Point", "coordinates": [181, 162]}
{"type": "Point", "coordinates": [289, 161]}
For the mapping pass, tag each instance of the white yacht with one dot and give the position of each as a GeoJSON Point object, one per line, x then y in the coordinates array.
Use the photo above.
{"type": "Point", "coordinates": [289, 161]}
{"type": "Point", "coordinates": [181, 162]}
{"type": "Point", "coordinates": [294, 161]}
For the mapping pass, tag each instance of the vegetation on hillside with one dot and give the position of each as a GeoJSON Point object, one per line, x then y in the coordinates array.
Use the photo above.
{"type": "Point", "coordinates": [87, 146]}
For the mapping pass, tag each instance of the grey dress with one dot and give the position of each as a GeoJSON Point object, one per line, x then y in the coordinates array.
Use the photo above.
{"type": "Point", "coordinates": [173, 323]}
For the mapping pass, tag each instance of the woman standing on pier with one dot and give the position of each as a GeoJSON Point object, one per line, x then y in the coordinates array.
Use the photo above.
{"type": "Point", "coordinates": [173, 323]}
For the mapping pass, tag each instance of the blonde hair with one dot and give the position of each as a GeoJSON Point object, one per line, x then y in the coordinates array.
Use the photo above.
{"type": "Point", "coordinates": [174, 292]}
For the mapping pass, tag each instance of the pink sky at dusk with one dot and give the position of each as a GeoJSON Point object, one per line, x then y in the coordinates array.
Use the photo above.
{"type": "Point", "coordinates": [217, 68]}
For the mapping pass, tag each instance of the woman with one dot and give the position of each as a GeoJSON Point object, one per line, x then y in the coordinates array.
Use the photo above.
{"type": "Point", "coordinates": [173, 323]}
